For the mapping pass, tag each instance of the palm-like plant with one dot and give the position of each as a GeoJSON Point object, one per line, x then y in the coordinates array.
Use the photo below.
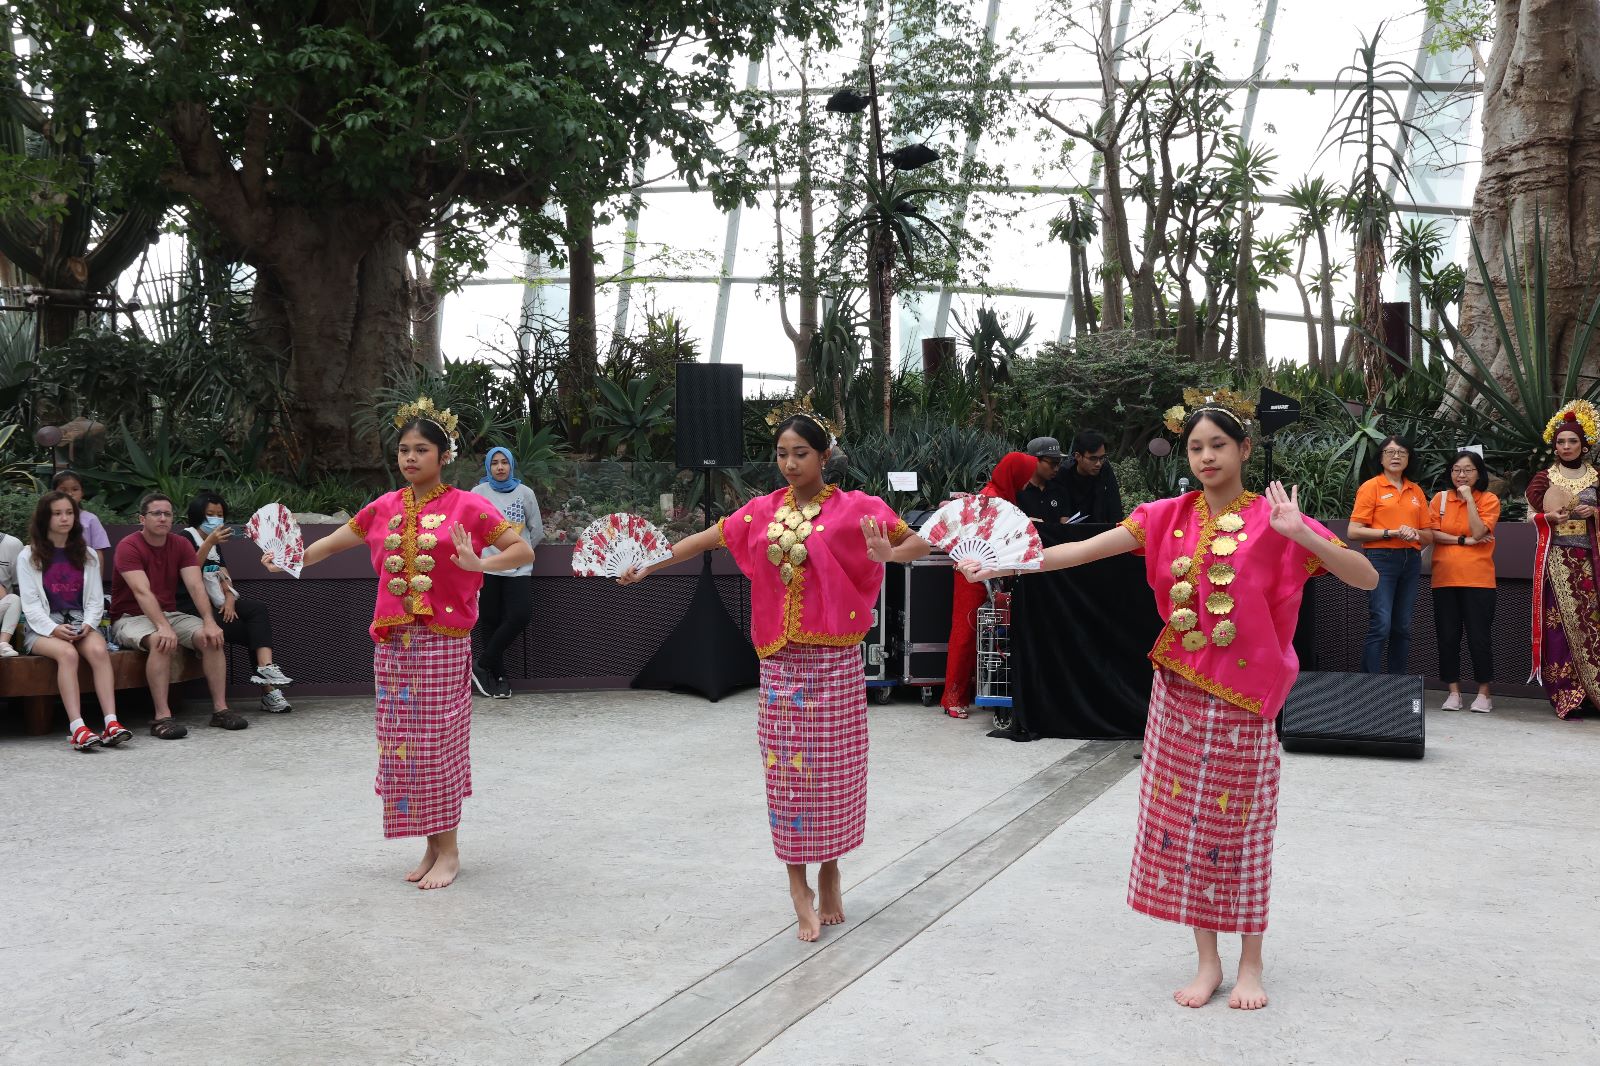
{"type": "Point", "coordinates": [895, 227]}
{"type": "Point", "coordinates": [1316, 201]}
{"type": "Point", "coordinates": [1417, 244]}
{"type": "Point", "coordinates": [993, 346]}
{"type": "Point", "coordinates": [1078, 229]}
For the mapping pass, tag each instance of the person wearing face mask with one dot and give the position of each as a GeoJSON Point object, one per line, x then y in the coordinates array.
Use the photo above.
{"type": "Point", "coordinates": [245, 622]}
{"type": "Point", "coordinates": [505, 605]}
{"type": "Point", "coordinates": [1392, 521]}
{"type": "Point", "coordinates": [1563, 499]}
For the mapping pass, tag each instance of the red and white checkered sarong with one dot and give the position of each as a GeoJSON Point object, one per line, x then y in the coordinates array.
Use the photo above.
{"type": "Point", "coordinates": [812, 727]}
{"type": "Point", "coordinates": [1208, 806]}
{"type": "Point", "coordinates": [424, 714]}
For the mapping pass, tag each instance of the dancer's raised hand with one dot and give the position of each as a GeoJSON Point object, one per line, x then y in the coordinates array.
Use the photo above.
{"type": "Point", "coordinates": [879, 550]}
{"type": "Point", "coordinates": [465, 557]}
{"type": "Point", "coordinates": [1286, 517]}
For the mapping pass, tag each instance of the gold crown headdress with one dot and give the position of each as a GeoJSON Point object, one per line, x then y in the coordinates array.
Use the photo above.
{"type": "Point", "coordinates": [1579, 415]}
{"type": "Point", "coordinates": [1235, 405]}
{"type": "Point", "coordinates": [423, 408]}
{"type": "Point", "coordinates": [801, 406]}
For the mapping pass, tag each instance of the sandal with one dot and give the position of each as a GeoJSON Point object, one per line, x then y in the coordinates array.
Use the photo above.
{"type": "Point", "coordinates": [115, 734]}
{"type": "Point", "coordinates": [167, 729]}
{"type": "Point", "coordinates": [84, 738]}
{"type": "Point", "coordinates": [956, 712]}
{"type": "Point", "coordinates": [226, 719]}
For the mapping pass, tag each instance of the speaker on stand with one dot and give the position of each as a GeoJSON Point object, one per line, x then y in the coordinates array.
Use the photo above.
{"type": "Point", "coordinates": [707, 652]}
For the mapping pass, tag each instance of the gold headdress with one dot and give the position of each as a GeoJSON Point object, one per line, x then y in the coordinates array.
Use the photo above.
{"type": "Point", "coordinates": [423, 408]}
{"type": "Point", "coordinates": [801, 406]}
{"type": "Point", "coordinates": [1579, 415]}
{"type": "Point", "coordinates": [1226, 402]}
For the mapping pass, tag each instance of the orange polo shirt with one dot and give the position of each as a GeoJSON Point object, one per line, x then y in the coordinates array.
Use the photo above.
{"type": "Point", "coordinates": [1464, 566]}
{"type": "Point", "coordinates": [1382, 506]}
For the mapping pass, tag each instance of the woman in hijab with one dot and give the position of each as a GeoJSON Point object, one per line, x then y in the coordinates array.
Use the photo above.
{"type": "Point", "coordinates": [506, 603]}
{"type": "Point", "coordinates": [961, 663]}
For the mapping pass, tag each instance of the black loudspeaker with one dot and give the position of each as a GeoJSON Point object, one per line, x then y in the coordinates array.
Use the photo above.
{"type": "Point", "coordinates": [710, 415]}
{"type": "Point", "coordinates": [1356, 714]}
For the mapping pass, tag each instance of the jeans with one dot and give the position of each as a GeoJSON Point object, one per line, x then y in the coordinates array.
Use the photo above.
{"type": "Point", "coordinates": [1473, 610]}
{"type": "Point", "coordinates": [1389, 608]}
{"type": "Point", "coordinates": [505, 607]}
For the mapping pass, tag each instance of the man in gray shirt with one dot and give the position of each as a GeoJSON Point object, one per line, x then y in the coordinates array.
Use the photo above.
{"type": "Point", "coordinates": [505, 605]}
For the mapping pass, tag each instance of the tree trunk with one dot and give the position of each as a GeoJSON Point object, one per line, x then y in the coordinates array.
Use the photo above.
{"type": "Point", "coordinates": [347, 320]}
{"type": "Point", "coordinates": [1416, 318]}
{"type": "Point", "coordinates": [1313, 357]}
{"type": "Point", "coordinates": [583, 344]}
{"type": "Point", "coordinates": [1541, 156]}
{"type": "Point", "coordinates": [882, 309]}
{"type": "Point", "coordinates": [1330, 340]}
{"type": "Point", "coordinates": [426, 304]}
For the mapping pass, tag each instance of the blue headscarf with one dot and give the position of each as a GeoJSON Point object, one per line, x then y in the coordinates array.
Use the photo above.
{"type": "Point", "coordinates": [509, 483]}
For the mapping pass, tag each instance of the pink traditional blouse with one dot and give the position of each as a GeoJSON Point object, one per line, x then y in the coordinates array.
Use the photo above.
{"type": "Point", "coordinates": [1229, 587]}
{"type": "Point", "coordinates": [411, 549]}
{"type": "Point", "coordinates": [832, 591]}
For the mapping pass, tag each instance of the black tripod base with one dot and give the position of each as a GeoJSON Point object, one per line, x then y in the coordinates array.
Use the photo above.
{"type": "Point", "coordinates": [707, 653]}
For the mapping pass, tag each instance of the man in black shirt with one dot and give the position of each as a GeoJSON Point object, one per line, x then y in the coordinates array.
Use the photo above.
{"type": "Point", "coordinates": [1088, 487]}
{"type": "Point", "coordinates": [1040, 499]}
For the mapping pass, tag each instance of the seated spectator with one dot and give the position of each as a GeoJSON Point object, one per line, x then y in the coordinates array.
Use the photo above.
{"type": "Point", "coordinates": [94, 534]}
{"type": "Point", "coordinates": [148, 568]}
{"type": "Point", "coordinates": [244, 621]}
{"type": "Point", "coordinates": [10, 602]}
{"type": "Point", "coordinates": [59, 581]}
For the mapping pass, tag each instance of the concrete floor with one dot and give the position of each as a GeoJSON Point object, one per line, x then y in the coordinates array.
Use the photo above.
{"type": "Point", "coordinates": [229, 899]}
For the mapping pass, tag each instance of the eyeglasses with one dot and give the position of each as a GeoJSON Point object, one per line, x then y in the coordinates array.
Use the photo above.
{"type": "Point", "coordinates": [1390, 453]}
{"type": "Point", "coordinates": [158, 514]}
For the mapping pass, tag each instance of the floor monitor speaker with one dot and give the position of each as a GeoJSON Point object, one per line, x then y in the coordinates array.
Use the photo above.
{"type": "Point", "coordinates": [1357, 714]}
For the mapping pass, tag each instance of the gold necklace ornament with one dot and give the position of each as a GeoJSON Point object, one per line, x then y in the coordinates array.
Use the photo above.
{"type": "Point", "coordinates": [1574, 485]}
{"type": "Point", "coordinates": [1185, 619]}
{"type": "Point", "coordinates": [788, 532]}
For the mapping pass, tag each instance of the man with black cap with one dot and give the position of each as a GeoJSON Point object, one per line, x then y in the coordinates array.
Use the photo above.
{"type": "Point", "coordinates": [1040, 499]}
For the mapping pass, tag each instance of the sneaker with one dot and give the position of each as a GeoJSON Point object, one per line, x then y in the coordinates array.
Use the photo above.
{"type": "Point", "coordinates": [274, 703]}
{"type": "Point", "coordinates": [115, 733]}
{"type": "Point", "coordinates": [1451, 702]}
{"type": "Point", "coordinates": [6, 650]}
{"type": "Point", "coordinates": [502, 689]}
{"type": "Point", "coordinates": [270, 675]}
{"type": "Point", "coordinates": [84, 738]}
{"type": "Point", "coordinates": [1483, 704]}
{"type": "Point", "coordinates": [482, 680]}
{"type": "Point", "coordinates": [226, 719]}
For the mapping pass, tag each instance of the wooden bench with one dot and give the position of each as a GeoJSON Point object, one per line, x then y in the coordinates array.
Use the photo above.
{"type": "Point", "coordinates": [32, 680]}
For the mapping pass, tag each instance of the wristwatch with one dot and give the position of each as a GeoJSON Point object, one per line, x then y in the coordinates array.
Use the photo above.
{"type": "Point", "coordinates": [1462, 540]}
{"type": "Point", "coordinates": [1386, 535]}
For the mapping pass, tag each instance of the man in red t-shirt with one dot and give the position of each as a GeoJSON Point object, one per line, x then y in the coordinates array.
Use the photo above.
{"type": "Point", "coordinates": [146, 570]}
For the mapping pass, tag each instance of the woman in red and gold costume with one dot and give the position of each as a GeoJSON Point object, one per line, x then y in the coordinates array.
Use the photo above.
{"type": "Point", "coordinates": [814, 555]}
{"type": "Point", "coordinates": [1563, 499]}
{"type": "Point", "coordinates": [961, 661]}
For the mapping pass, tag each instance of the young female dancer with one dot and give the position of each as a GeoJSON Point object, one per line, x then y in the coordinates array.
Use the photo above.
{"type": "Point", "coordinates": [813, 584]}
{"type": "Point", "coordinates": [58, 578]}
{"type": "Point", "coordinates": [425, 541]}
{"type": "Point", "coordinates": [1228, 568]}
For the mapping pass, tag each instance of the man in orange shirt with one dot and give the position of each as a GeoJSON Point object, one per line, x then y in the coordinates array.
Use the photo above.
{"type": "Point", "coordinates": [1391, 518]}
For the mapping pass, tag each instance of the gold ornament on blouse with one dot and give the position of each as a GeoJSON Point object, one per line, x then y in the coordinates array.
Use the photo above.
{"type": "Point", "coordinates": [391, 542]}
{"type": "Point", "coordinates": [1182, 592]}
{"type": "Point", "coordinates": [397, 586]}
{"type": "Point", "coordinates": [394, 523]}
{"type": "Point", "coordinates": [432, 521]}
{"type": "Point", "coordinates": [1224, 632]}
{"type": "Point", "coordinates": [421, 583]}
{"type": "Point", "coordinates": [786, 538]}
{"type": "Point", "coordinates": [1230, 523]}
{"type": "Point", "coordinates": [394, 564]}
{"type": "Point", "coordinates": [1224, 546]}
{"type": "Point", "coordinates": [1194, 640]}
{"type": "Point", "coordinates": [1184, 620]}
{"type": "Point", "coordinates": [1221, 574]}
{"type": "Point", "coordinates": [427, 542]}
{"type": "Point", "coordinates": [1219, 603]}
{"type": "Point", "coordinates": [1181, 565]}
{"type": "Point", "coordinates": [424, 563]}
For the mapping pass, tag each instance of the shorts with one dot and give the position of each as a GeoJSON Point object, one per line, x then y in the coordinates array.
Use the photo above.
{"type": "Point", "coordinates": [130, 631]}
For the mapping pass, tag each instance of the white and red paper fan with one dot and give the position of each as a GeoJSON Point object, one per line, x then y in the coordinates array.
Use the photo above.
{"type": "Point", "coordinates": [274, 531]}
{"type": "Point", "coordinates": [988, 529]}
{"type": "Point", "coordinates": [614, 543]}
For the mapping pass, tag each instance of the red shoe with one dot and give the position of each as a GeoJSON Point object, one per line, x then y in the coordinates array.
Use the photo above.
{"type": "Point", "coordinates": [84, 738]}
{"type": "Point", "coordinates": [115, 734]}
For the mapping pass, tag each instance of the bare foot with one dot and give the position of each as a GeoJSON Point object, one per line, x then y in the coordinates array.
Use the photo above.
{"type": "Point", "coordinates": [831, 908]}
{"type": "Point", "coordinates": [443, 871]}
{"type": "Point", "coordinates": [1207, 980]}
{"type": "Point", "coordinates": [805, 909]}
{"type": "Point", "coordinates": [1248, 993]}
{"type": "Point", "coordinates": [429, 857]}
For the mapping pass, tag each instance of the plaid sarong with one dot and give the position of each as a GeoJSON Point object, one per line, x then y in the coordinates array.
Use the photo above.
{"type": "Point", "coordinates": [812, 728]}
{"type": "Point", "coordinates": [1208, 806]}
{"type": "Point", "coordinates": [424, 717]}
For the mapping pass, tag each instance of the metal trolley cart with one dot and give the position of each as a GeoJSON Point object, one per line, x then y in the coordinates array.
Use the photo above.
{"type": "Point", "coordinates": [994, 656]}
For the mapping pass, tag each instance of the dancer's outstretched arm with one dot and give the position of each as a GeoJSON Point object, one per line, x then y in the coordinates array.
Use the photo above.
{"type": "Point", "coordinates": [341, 539]}
{"type": "Point", "coordinates": [1064, 556]}
{"type": "Point", "coordinates": [688, 548]}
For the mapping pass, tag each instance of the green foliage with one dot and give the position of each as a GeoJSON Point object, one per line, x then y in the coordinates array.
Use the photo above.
{"type": "Point", "coordinates": [946, 458]}
{"type": "Point", "coordinates": [632, 420]}
{"type": "Point", "coordinates": [15, 470]}
{"type": "Point", "coordinates": [461, 390]}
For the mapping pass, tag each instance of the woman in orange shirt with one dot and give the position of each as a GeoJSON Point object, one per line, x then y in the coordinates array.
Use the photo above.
{"type": "Point", "coordinates": [1463, 576]}
{"type": "Point", "coordinates": [1391, 520]}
